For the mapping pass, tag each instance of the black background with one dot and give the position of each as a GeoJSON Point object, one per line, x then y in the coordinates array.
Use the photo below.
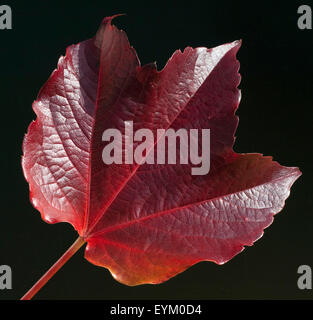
{"type": "Point", "coordinates": [275, 119]}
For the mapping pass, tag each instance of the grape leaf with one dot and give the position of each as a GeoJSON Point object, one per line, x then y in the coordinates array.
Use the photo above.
{"type": "Point", "coordinates": [149, 222]}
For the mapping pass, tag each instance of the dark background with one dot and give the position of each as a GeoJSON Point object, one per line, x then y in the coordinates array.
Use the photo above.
{"type": "Point", "coordinates": [275, 119]}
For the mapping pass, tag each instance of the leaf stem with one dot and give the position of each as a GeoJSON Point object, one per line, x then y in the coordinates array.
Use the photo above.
{"type": "Point", "coordinates": [56, 267]}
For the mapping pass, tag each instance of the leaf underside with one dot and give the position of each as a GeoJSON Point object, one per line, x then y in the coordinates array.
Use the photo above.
{"type": "Point", "coordinates": [146, 223]}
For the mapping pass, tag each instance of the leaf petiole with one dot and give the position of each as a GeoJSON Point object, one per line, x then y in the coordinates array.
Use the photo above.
{"type": "Point", "coordinates": [56, 267]}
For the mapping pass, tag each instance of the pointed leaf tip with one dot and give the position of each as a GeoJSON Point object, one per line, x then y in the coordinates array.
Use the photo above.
{"type": "Point", "coordinates": [107, 20]}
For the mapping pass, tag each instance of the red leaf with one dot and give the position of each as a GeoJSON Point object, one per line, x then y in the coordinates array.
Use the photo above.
{"type": "Point", "coordinates": [146, 223]}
